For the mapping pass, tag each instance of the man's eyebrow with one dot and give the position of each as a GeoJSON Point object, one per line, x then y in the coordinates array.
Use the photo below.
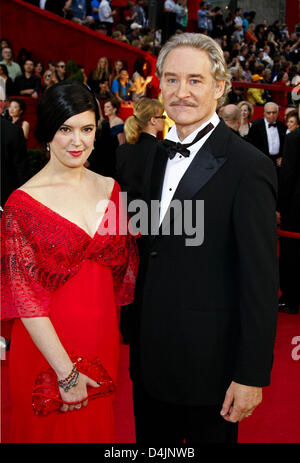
{"type": "Point", "coordinates": [170, 74]}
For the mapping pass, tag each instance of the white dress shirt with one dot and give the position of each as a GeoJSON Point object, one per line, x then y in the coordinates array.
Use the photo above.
{"type": "Point", "coordinates": [176, 167]}
{"type": "Point", "coordinates": [273, 139]}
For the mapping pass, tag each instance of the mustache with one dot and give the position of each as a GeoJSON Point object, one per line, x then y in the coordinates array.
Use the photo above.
{"type": "Point", "coordinates": [183, 103]}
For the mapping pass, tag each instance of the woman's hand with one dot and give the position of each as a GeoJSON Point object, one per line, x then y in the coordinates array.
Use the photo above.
{"type": "Point", "coordinates": [77, 393]}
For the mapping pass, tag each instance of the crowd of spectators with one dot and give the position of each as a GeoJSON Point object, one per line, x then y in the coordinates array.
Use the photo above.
{"type": "Point", "coordinates": [255, 52]}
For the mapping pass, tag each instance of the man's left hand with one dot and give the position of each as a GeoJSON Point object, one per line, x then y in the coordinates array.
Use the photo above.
{"type": "Point", "coordinates": [240, 401]}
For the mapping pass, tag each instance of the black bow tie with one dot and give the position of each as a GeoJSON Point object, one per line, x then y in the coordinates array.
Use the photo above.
{"type": "Point", "coordinates": [273, 125]}
{"type": "Point", "coordinates": [172, 147]}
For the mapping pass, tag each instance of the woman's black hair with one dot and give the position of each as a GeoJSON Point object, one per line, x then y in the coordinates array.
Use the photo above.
{"type": "Point", "coordinates": [20, 102]}
{"type": "Point", "coordinates": [59, 103]}
{"type": "Point", "coordinates": [138, 66]}
{"type": "Point", "coordinates": [4, 69]}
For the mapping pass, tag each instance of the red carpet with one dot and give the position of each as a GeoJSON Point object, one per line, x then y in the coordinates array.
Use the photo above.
{"type": "Point", "coordinates": [276, 420]}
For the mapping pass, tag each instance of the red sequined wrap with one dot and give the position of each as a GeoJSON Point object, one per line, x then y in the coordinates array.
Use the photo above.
{"type": "Point", "coordinates": [41, 250]}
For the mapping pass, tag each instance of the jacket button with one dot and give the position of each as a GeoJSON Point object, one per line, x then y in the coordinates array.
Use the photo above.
{"type": "Point", "coordinates": [153, 253]}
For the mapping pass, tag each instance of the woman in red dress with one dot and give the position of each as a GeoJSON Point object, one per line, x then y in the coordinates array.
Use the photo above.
{"type": "Point", "coordinates": [66, 266]}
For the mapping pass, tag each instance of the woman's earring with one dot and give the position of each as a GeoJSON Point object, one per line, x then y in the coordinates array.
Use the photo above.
{"type": "Point", "coordinates": [47, 147]}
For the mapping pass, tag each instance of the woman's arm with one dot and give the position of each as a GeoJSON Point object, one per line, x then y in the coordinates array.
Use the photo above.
{"type": "Point", "coordinates": [26, 127]}
{"type": "Point", "coordinates": [121, 138]}
{"type": "Point", "coordinates": [140, 84]}
{"type": "Point", "coordinates": [46, 340]}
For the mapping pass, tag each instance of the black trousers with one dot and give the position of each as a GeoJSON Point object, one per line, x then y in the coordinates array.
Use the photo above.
{"type": "Point", "coordinates": [160, 422]}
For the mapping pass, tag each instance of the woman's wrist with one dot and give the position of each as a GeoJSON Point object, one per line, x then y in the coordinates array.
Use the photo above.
{"type": "Point", "coordinates": [63, 371]}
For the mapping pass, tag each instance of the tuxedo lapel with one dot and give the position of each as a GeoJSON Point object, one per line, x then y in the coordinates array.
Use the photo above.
{"type": "Point", "coordinates": [155, 187]}
{"type": "Point", "coordinates": [264, 136]}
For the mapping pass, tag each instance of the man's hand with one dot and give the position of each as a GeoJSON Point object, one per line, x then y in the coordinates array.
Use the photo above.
{"type": "Point", "coordinates": [240, 401]}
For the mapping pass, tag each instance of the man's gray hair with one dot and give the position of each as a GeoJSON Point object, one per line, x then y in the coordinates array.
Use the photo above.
{"type": "Point", "coordinates": [203, 42]}
{"type": "Point", "coordinates": [271, 103]}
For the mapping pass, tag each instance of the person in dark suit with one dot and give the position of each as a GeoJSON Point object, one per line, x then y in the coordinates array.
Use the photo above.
{"type": "Point", "coordinates": [231, 115]}
{"type": "Point", "coordinates": [134, 158]}
{"type": "Point", "coordinates": [268, 134]}
{"type": "Point", "coordinates": [205, 309]}
{"type": "Point", "coordinates": [289, 207]}
{"type": "Point", "coordinates": [14, 164]}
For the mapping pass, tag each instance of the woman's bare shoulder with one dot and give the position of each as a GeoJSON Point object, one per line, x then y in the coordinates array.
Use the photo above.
{"type": "Point", "coordinates": [107, 182]}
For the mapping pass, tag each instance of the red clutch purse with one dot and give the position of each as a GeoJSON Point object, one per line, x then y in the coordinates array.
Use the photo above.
{"type": "Point", "coordinates": [46, 397]}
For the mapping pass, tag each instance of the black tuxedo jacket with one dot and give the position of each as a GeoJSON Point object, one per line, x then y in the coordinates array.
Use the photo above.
{"type": "Point", "coordinates": [289, 183]}
{"type": "Point", "coordinates": [134, 162]}
{"type": "Point", "coordinates": [206, 315]}
{"type": "Point", "coordinates": [258, 136]}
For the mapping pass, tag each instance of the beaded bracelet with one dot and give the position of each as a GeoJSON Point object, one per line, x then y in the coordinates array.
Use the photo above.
{"type": "Point", "coordinates": [70, 380]}
{"type": "Point", "coordinates": [73, 382]}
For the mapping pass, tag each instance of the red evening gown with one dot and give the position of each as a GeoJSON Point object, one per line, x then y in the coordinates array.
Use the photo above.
{"type": "Point", "coordinates": [52, 267]}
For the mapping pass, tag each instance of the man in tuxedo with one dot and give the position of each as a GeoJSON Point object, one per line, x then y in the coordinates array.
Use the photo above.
{"type": "Point", "coordinates": [289, 207]}
{"type": "Point", "coordinates": [204, 316]}
{"type": "Point", "coordinates": [268, 134]}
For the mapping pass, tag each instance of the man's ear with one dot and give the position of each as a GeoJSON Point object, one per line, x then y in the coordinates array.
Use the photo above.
{"type": "Point", "coordinates": [219, 88]}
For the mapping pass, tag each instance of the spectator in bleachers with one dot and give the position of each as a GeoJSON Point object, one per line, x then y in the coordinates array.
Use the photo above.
{"type": "Point", "coordinates": [245, 20]}
{"type": "Point", "coordinates": [239, 32]}
{"type": "Point", "coordinates": [13, 68]}
{"type": "Point", "coordinates": [122, 29]}
{"type": "Point", "coordinates": [117, 66]}
{"type": "Point", "coordinates": [135, 32]}
{"type": "Point", "coordinates": [282, 80]}
{"type": "Point", "coordinates": [106, 15]}
{"type": "Point", "coordinates": [9, 85]}
{"type": "Point", "coordinates": [60, 70]}
{"type": "Point", "coordinates": [202, 18]}
{"type": "Point", "coordinates": [28, 84]}
{"type": "Point", "coordinates": [122, 87]}
{"type": "Point", "coordinates": [23, 55]}
{"type": "Point", "coordinates": [140, 17]}
{"type": "Point", "coordinates": [250, 34]}
{"type": "Point", "coordinates": [39, 70]}
{"type": "Point", "coordinates": [58, 6]}
{"type": "Point", "coordinates": [256, 95]}
{"type": "Point", "coordinates": [98, 80]}
{"type": "Point", "coordinates": [49, 79]}
{"type": "Point", "coordinates": [16, 110]}
{"type": "Point", "coordinates": [129, 13]}
{"type": "Point", "coordinates": [52, 66]}
{"type": "Point", "coordinates": [94, 5]}
{"type": "Point", "coordinates": [78, 8]}
{"type": "Point", "coordinates": [140, 80]}
{"type": "Point", "coordinates": [238, 16]}
{"type": "Point", "coordinates": [4, 43]}
{"type": "Point", "coordinates": [246, 114]}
